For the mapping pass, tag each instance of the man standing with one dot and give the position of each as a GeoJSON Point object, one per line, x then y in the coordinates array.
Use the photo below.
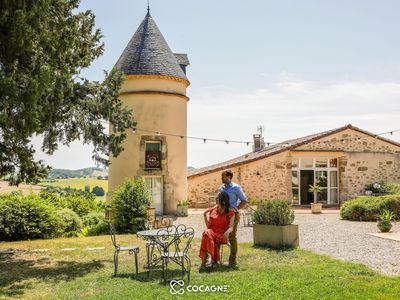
{"type": "Point", "coordinates": [237, 201]}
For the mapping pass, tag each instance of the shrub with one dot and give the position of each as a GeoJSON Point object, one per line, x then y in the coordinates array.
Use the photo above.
{"type": "Point", "coordinates": [93, 218]}
{"type": "Point", "coordinates": [23, 218]}
{"type": "Point", "coordinates": [254, 201]}
{"type": "Point", "coordinates": [95, 224]}
{"type": "Point", "coordinates": [87, 188]}
{"type": "Point", "coordinates": [99, 229]}
{"type": "Point", "coordinates": [51, 198]}
{"type": "Point", "coordinates": [72, 222]}
{"type": "Point", "coordinates": [98, 191]}
{"type": "Point", "coordinates": [129, 206]}
{"type": "Point", "coordinates": [392, 188]}
{"type": "Point", "coordinates": [79, 202]}
{"type": "Point", "coordinates": [368, 208]}
{"type": "Point", "coordinates": [275, 212]}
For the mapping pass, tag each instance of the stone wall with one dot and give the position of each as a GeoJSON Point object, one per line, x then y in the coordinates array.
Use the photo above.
{"type": "Point", "coordinates": [359, 169]}
{"type": "Point", "coordinates": [267, 178]}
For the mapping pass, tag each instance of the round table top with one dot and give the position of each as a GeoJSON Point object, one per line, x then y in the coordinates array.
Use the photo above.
{"type": "Point", "coordinates": [169, 231]}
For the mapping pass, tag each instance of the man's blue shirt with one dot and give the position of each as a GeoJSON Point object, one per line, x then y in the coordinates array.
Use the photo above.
{"type": "Point", "coordinates": [235, 193]}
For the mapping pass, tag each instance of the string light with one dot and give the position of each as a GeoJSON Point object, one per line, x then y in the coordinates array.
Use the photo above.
{"type": "Point", "coordinates": [193, 137]}
{"type": "Point", "coordinates": [343, 141]}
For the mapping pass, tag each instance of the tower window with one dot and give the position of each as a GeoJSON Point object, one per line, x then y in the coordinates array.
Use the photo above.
{"type": "Point", "coordinates": [153, 155]}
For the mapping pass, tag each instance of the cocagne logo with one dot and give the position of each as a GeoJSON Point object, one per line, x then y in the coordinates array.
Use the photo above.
{"type": "Point", "coordinates": [177, 287]}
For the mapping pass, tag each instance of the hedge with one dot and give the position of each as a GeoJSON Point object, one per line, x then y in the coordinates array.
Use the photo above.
{"type": "Point", "coordinates": [368, 208]}
{"type": "Point", "coordinates": [23, 218]}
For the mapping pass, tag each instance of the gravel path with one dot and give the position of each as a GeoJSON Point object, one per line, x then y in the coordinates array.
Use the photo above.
{"type": "Point", "coordinates": [327, 234]}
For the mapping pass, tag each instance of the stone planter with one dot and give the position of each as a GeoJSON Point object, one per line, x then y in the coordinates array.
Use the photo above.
{"type": "Point", "coordinates": [182, 210]}
{"type": "Point", "coordinates": [276, 236]}
{"type": "Point", "coordinates": [316, 208]}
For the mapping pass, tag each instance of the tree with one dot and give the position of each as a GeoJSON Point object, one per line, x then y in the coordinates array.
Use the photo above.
{"type": "Point", "coordinates": [98, 191]}
{"type": "Point", "coordinates": [44, 45]}
{"type": "Point", "coordinates": [87, 188]}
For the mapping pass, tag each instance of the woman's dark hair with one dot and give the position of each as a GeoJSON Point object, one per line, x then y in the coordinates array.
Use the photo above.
{"type": "Point", "coordinates": [223, 199]}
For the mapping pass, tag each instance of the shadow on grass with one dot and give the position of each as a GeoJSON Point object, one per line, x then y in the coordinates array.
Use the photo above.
{"type": "Point", "coordinates": [155, 275]}
{"type": "Point", "coordinates": [276, 250]}
{"type": "Point", "coordinates": [15, 273]}
{"type": "Point", "coordinates": [219, 268]}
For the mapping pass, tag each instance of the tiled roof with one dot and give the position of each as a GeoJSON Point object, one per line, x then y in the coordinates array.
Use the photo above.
{"type": "Point", "coordinates": [148, 53]}
{"type": "Point", "coordinates": [277, 148]}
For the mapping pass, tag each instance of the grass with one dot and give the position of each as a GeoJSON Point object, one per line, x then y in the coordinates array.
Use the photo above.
{"type": "Point", "coordinates": [263, 273]}
{"type": "Point", "coordinates": [79, 183]}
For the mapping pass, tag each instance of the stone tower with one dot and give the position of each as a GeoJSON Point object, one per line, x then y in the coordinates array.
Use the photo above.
{"type": "Point", "coordinates": [155, 88]}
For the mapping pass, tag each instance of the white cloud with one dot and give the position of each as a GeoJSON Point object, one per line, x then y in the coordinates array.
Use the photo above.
{"type": "Point", "coordinates": [289, 107]}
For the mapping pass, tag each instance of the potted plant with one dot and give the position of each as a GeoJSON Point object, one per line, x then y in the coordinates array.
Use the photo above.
{"type": "Point", "coordinates": [316, 208]}
{"type": "Point", "coordinates": [273, 225]}
{"type": "Point", "coordinates": [151, 213]}
{"type": "Point", "coordinates": [385, 220]}
{"type": "Point", "coordinates": [182, 208]}
{"type": "Point", "coordinates": [253, 203]}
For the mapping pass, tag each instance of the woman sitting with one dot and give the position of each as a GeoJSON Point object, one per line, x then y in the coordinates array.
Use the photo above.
{"type": "Point", "coordinates": [219, 221]}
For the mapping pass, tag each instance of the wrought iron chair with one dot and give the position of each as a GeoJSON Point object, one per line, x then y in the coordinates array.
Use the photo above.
{"type": "Point", "coordinates": [220, 248]}
{"type": "Point", "coordinates": [131, 250]}
{"type": "Point", "coordinates": [179, 238]}
{"type": "Point", "coordinates": [151, 245]}
{"type": "Point", "coordinates": [246, 216]}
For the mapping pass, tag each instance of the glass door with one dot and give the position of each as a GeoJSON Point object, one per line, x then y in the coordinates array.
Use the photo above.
{"type": "Point", "coordinates": [154, 186]}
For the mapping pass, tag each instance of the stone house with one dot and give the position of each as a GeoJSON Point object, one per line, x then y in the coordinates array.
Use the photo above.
{"type": "Point", "coordinates": [341, 161]}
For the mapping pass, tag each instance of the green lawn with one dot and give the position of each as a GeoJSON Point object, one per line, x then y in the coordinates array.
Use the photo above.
{"type": "Point", "coordinates": [263, 274]}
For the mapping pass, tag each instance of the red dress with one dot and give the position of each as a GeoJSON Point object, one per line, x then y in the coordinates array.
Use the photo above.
{"type": "Point", "coordinates": [219, 224]}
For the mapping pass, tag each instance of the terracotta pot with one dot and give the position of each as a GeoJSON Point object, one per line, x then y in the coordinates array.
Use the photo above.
{"type": "Point", "coordinates": [182, 210]}
{"type": "Point", "coordinates": [316, 208]}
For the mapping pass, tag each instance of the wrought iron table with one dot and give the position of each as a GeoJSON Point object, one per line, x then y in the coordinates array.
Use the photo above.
{"type": "Point", "coordinates": [159, 244]}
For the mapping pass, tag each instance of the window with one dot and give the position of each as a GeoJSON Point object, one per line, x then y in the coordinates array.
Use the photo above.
{"type": "Point", "coordinates": [307, 162]}
{"type": "Point", "coordinates": [321, 162]}
{"type": "Point", "coordinates": [325, 174]}
{"type": "Point", "coordinates": [153, 155]}
{"type": "Point", "coordinates": [295, 162]}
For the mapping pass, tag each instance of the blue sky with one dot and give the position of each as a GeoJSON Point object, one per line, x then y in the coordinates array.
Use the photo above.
{"type": "Point", "coordinates": [296, 67]}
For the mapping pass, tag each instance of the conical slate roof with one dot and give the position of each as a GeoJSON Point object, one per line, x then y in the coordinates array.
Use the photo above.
{"type": "Point", "coordinates": [148, 53]}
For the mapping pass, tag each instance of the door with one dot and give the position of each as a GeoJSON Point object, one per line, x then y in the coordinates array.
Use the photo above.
{"type": "Point", "coordinates": [154, 186]}
{"type": "Point", "coordinates": [306, 179]}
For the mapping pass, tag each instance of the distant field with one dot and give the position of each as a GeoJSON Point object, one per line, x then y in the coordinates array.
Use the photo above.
{"type": "Point", "coordinates": [78, 183]}
{"type": "Point", "coordinates": [26, 189]}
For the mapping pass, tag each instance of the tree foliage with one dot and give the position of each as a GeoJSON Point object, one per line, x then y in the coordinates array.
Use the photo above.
{"type": "Point", "coordinates": [44, 46]}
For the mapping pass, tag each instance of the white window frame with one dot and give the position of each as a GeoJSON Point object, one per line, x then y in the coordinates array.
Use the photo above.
{"type": "Point", "coordinates": [328, 168]}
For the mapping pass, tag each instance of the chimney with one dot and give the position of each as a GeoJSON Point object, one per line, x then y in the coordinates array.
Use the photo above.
{"type": "Point", "coordinates": [258, 142]}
